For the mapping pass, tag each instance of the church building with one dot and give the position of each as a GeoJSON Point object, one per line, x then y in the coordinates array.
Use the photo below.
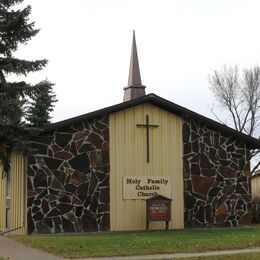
{"type": "Point", "coordinates": [94, 172]}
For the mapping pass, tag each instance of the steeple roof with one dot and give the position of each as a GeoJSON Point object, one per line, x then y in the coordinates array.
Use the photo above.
{"type": "Point", "coordinates": [134, 88]}
{"type": "Point", "coordinates": [134, 78]}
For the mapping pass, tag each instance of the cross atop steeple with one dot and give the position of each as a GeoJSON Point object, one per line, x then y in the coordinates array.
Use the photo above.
{"type": "Point", "coordinates": [134, 88]}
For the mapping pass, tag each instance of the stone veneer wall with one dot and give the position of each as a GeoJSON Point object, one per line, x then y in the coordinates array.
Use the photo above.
{"type": "Point", "coordinates": [68, 179]}
{"type": "Point", "coordinates": [216, 178]}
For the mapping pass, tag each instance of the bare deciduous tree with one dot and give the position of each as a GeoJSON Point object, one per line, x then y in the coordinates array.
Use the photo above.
{"type": "Point", "coordinates": [239, 95]}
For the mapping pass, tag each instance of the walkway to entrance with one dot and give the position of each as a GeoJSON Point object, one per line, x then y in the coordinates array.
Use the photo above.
{"type": "Point", "coordinates": [13, 250]}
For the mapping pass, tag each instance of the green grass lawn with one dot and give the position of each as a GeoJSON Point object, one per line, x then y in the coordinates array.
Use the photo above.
{"type": "Point", "coordinates": [139, 243]}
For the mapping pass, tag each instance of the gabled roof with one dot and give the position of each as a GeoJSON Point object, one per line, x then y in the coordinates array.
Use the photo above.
{"type": "Point", "coordinates": [256, 174]}
{"type": "Point", "coordinates": [158, 197]}
{"type": "Point", "coordinates": [167, 105]}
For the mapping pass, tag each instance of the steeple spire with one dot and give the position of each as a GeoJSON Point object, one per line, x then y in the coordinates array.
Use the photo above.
{"type": "Point", "coordinates": [134, 88]}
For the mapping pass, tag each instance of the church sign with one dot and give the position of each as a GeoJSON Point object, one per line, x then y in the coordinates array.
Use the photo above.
{"type": "Point", "coordinates": [144, 187]}
{"type": "Point", "coordinates": [158, 208]}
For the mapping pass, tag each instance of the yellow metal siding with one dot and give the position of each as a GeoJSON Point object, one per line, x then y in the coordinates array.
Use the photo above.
{"type": "Point", "coordinates": [255, 186]}
{"type": "Point", "coordinates": [17, 204]}
{"type": "Point", "coordinates": [2, 200]}
{"type": "Point", "coordinates": [128, 158]}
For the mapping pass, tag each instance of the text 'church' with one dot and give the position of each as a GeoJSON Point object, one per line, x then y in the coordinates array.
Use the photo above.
{"type": "Point", "coordinates": [94, 172]}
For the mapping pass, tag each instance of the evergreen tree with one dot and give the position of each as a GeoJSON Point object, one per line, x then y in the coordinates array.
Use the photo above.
{"type": "Point", "coordinates": [15, 29]}
{"type": "Point", "coordinates": [42, 103]}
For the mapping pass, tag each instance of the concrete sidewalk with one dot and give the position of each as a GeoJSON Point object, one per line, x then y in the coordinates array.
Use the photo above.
{"type": "Point", "coordinates": [179, 255]}
{"type": "Point", "coordinates": [13, 250]}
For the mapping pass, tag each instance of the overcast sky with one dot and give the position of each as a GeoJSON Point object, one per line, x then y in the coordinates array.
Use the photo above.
{"type": "Point", "coordinates": [180, 42]}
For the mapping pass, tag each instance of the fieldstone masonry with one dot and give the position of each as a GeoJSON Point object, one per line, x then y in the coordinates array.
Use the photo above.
{"type": "Point", "coordinates": [68, 179]}
{"type": "Point", "coordinates": [216, 178]}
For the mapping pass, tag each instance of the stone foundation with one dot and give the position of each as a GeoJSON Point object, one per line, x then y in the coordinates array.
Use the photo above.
{"type": "Point", "coordinates": [216, 174]}
{"type": "Point", "coordinates": [68, 179]}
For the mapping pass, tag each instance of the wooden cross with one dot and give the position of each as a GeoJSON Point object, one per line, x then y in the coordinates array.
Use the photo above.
{"type": "Point", "coordinates": [147, 126]}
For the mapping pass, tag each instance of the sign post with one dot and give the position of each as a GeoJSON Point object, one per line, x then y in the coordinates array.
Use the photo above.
{"type": "Point", "coordinates": [158, 208]}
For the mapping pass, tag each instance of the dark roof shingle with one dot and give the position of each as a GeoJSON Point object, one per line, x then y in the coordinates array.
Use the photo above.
{"type": "Point", "coordinates": [167, 105]}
